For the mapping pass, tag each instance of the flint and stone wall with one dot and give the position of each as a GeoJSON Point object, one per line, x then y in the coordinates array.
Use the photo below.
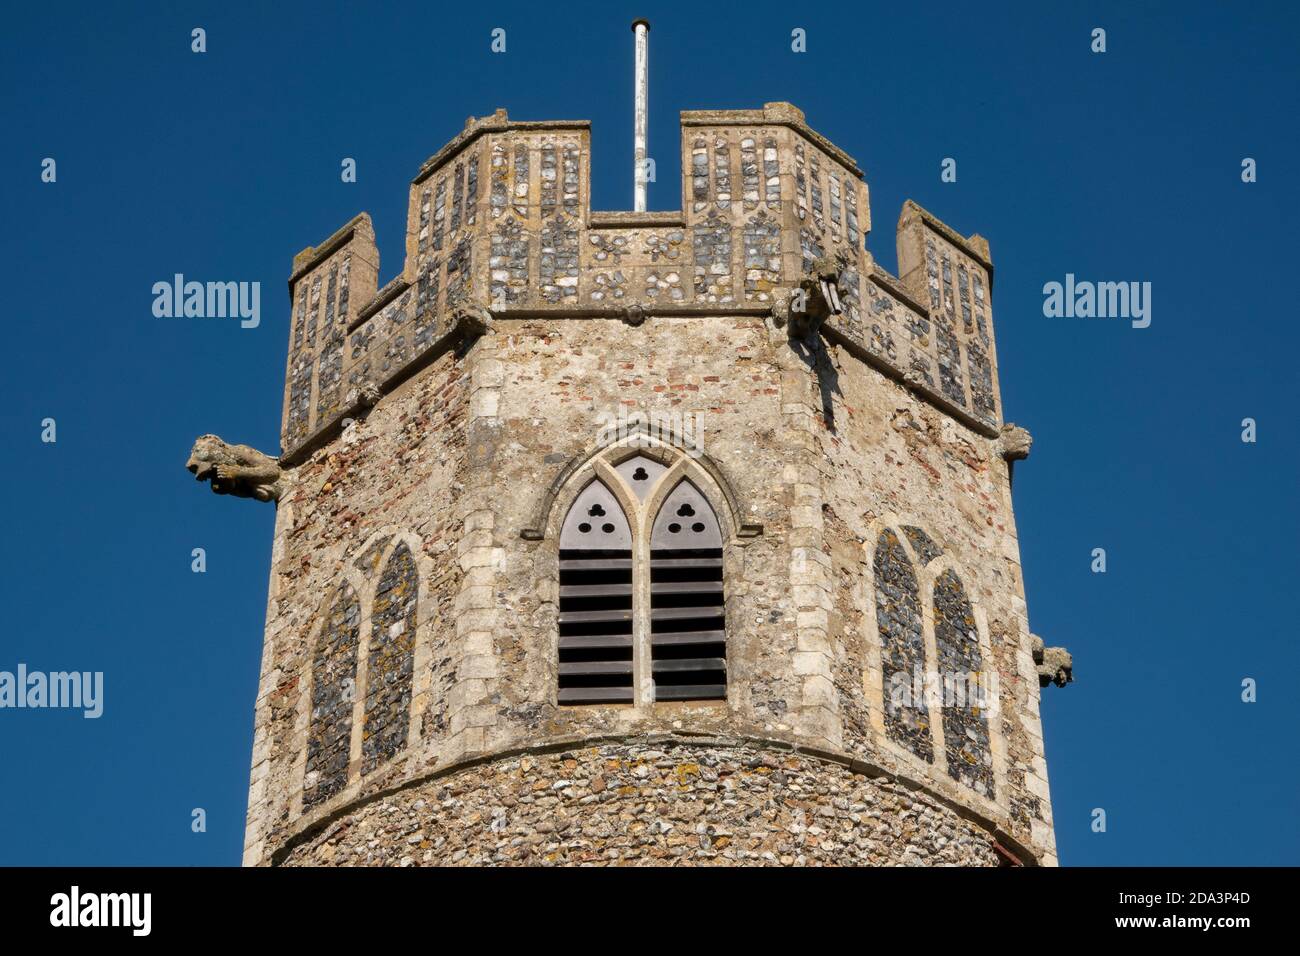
{"type": "Point", "coordinates": [660, 802]}
{"type": "Point", "coordinates": [501, 217]}
{"type": "Point", "coordinates": [437, 512]}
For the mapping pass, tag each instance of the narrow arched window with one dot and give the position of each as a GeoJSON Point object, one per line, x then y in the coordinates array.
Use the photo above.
{"type": "Point", "coordinates": [688, 636]}
{"type": "Point", "coordinates": [595, 665]}
{"type": "Point", "coordinates": [965, 724]}
{"type": "Point", "coordinates": [902, 646]}
{"type": "Point", "coordinates": [390, 664]}
{"type": "Point", "coordinates": [333, 683]}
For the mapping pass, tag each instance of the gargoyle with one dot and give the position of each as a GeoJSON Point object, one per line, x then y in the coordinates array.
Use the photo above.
{"type": "Point", "coordinates": [1055, 664]}
{"type": "Point", "coordinates": [817, 297]}
{"type": "Point", "coordinates": [365, 395]}
{"type": "Point", "coordinates": [781, 308]}
{"type": "Point", "coordinates": [1014, 442]}
{"type": "Point", "coordinates": [471, 321]}
{"type": "Point", "coordinates": [238, 470]}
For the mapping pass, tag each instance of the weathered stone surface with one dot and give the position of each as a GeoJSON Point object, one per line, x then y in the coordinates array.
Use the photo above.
{"type": "Point", "coordinates": [529, 241]}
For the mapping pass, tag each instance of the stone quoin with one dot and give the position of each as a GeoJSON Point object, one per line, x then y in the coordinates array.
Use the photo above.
{"type": "Point", "coordinates": [500, 631]}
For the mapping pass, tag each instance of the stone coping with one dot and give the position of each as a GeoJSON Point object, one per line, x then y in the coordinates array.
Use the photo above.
{"type": "Point", "coordinates": [387, 294]}
{"type": "Point", "coordinates": [625, 219]}
{"type": "Point", "coordinates": [883, 277]}
{"type": "Point", "coordinates": [313, 256]}
{"type": "Point", "coordinates": [313, 822]}
{"type": "Point", "coordinates": [974, 245]}
{"type": "Point", "coordinates": [649, 309]}
{"type": "Point", "coordinates": [772, 114]}
{"type": "Point", "coordinates": [498, 122]}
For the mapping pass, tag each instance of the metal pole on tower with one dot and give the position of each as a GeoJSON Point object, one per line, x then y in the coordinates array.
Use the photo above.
{"type": "Point", "coordinates": [641, 28]}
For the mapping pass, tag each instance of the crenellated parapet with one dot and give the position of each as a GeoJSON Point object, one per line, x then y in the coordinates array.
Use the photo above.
{"type": "Point", "coordinates": [500, 220]}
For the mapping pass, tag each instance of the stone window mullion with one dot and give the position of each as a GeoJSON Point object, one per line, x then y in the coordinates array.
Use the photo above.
{"type": "Point", "coordinates": [643, 676]}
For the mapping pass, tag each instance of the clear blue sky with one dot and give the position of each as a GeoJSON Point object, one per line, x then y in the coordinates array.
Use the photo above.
{"type": "Point", "coordinates": [1120, 166]}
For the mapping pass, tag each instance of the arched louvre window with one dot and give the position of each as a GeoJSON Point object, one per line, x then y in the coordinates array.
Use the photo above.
{"type": "Point", "coordinates": [333, 688]}
{"type": "Point", "coordinates": [688, 637]}
{"type": "Point", "coordinates": [595, 664]}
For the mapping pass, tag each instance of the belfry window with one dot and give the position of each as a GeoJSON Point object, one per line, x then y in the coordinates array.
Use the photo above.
{"type": "Point", "coordinates": [641, 612]}
{"type": "Point", "coordinates": [688, 637]}
{"type": "Point", "coordinates": [595, 664]}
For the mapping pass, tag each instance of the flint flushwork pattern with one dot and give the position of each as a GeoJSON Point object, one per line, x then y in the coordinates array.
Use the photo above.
{"type": "Point", "coordinates": [333, 690]}
{"type": "Point", "coordinates": [898, 619]}
{"type": "Point", "coordinates": [390, 665]}
{"type": "Point", "coordinates": [965, 725]}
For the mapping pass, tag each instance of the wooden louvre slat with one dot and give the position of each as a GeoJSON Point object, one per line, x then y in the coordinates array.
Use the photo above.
{"type": "Point", "coordinates": [595, 590]}
{"type": "Point", "coordinates": [684, 613]}
{"type": "Point", "coordinates": [666, 563]}
{"type": "Point", "coordinates": [690, 692]}
{"type": "Point", "coordinates": [595, 695]}
{"type": "Point", "coordinates": [584, 642]}
{"type": "Point", "coordinates": [595, 564]}
{"type": "Point", "coordinates": [596, 617]}
{"type": "Point", "coordinates": [588, 668]}
{"type": "Point", "coordinates": [676, 638]}
{"type": "Point", "coordinates": [703, 664]}
{"type": "Point", "coordinates": [686, 587]}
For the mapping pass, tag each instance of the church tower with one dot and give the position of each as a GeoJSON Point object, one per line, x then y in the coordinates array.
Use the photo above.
{"type": "Point", "coordinates": [644, 537]}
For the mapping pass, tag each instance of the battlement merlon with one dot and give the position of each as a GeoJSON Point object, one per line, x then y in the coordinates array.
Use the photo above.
{"type": "Point", "coordinates": [500, 219]}
{"type": "Point", "coordinates": [949, 279]}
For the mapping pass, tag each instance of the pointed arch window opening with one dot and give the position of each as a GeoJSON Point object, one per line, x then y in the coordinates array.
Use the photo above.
{"type": "Point", "coordinates": [688, 634]}
{"type": "Point", "coordinates": [391, 661]}
{"type": "Point", "coordinates": [900, 632]}
{"type": "Point", "coordinates": [595, 644]}
{"type": "Point", "coordinates": [686, 614]}
{"type": "Point", "coordinates": [957, 659]}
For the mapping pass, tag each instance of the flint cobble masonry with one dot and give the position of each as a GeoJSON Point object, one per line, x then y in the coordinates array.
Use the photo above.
{"type": "Point", "coordinates": [652, 804]}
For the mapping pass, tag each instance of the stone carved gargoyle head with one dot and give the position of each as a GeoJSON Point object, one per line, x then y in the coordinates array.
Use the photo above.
{"type": "Point", "coordinates": [817, 297]}
{"type": "Point", "coordinates": [1055, 664]}
{"type": "Point", "coordinates": [238, 470]}
{"type": "Point", "coordinates": [1014, 442]}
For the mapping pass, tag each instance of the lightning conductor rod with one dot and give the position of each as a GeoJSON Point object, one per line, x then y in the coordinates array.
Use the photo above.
{"type": "Point", "coordinates": [642, 30]}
